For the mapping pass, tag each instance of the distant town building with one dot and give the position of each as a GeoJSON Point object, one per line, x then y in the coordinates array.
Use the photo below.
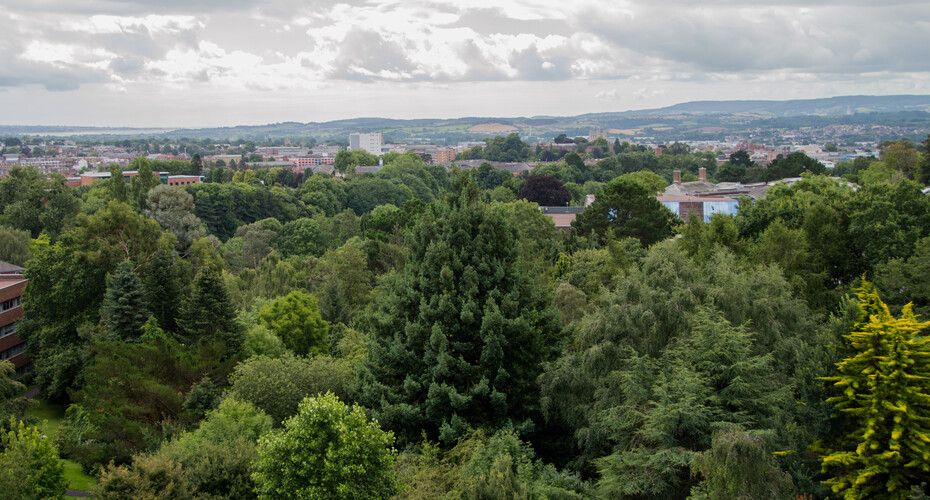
{"type": "Point", "coordinates": [443, 155]}
{"type": "Point", "coordinates": [12, 284]}
{"type": "Point", "coordinates": [370, 142]}
{"type": "Point", "coordinates": [304, 162]}
{"type": "Point", "coordinates": [171, 180]}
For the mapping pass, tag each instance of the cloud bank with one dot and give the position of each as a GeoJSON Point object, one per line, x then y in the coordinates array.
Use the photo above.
{"type": "Point", "coordinates": [626, 49]}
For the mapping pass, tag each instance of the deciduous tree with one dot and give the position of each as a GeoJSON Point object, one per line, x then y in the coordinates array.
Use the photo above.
{"type": "Point", "coordinates": [329, 451]}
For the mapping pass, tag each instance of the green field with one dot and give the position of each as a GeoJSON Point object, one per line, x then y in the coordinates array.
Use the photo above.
{"type": "Point", "coordinates": [49, 417]}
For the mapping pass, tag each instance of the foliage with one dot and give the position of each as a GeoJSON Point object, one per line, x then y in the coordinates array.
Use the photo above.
{"type": "Point", "coordinates": [346, 282]}
{"type": "Point", "coordinates": [31, 202]}
{"type": "Point", "coordinates": [487, 177]}
{"type": "Point", "coordinates": [173, 209]}
{"type": "Point", "coordinates": [650, 180]}
{"type": "Point", "coordinates": [208, 314]}
{"type": "Point", "coordinates": [346, 161]}
{"type": "Point", "coordinates": [296, 320]}
{"type": "Point", "coordinates": [904, 281]}
{"type": "Point", "coordinates": [792, 166]}
{"type": "Point", "coordinates": [216, 458]}
{"type": "Point", "coordinates": [882, 395]}
{"type": "Point", "coordinates": [67, 284]}
{"type": "Point", "coordinates": [277, 385]}
{"type": "Point", "coordinates": [545, 190]}
{"type": "Point", "coordinates": [738, 466]}
{"type": "Point", "coordinates": [30, 467]}
{"type": "Point", "coordinates": [12, 401]}
{"type": "Point", "coordinates": [141, 183]}
{"type": "Point", "coordinates": [134, 392]}
{"type": "Point", "coordinates": [124, 310]}
{"type": "Point", "coordinates": [327, 450]}
{"type": "Point", "coordinates": [14, 245]}
{"type": "Point", "coordinates": [499, 148]}
{"type": "Point", "coordinates": [626, 209]}
{"type": "Point", "coordinates": [149, 478]}
{"type": "Point", "coordinates": [458, 336]}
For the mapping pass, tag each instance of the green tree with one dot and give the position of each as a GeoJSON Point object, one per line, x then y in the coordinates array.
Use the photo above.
{"type": "Point", "coordinates": [162, 288]}
{"type": "Point", "coordinates": [150, 477]}
{"type": "Point", "coordinates": [545, 190]}
{"type": "Point", "coordinates": [650, 180]}
{"type": "Point", "coordinates": [277, 385]}
{"type": "Point", "coordinates": [459, 335]}
{"type": "Point", "coordinates": [923, 169]}
{"type": "Point", "coordinates": [883, 398]}
{"type": "Point", "coordinates": [738, 466]}
{"type": "Point", "coordinates": [29, 466]}
{"type": "Point", "coordinates": [124, 310]}
{"type": "Point", "coordinates": [346, 161]}
{"type": "Point", "coordinates": [29, 201]}
{"type": "Point", "coordinates": [117, 184]}
{"type": "Point", "coordinates": [625, 208]}
{"type": "Point", "coordinates": [792, 166]}
{"type": "Point", "coordinates": [295, 319]}
{"type": "Point", "coordinates": [12, 401]}
{"type": "Point", "coordinates": [209, 313]}
{"type": "Point", "coordinates": [488, 177]}
{"type": "Point", "coordinates": [196, 164]}
{"type": "Point", "coordinates": [173, 209]}
{"type": "Point", "coordinates": [328, 451]}
{"type": "Point", "coordinates": [14, 245]}
{"type": "Point", "coordinates": [706, 380]}
{"type": "Point", "coordinates": [346, 283]}
{"type": "Point", "coordinates": [141, 183]}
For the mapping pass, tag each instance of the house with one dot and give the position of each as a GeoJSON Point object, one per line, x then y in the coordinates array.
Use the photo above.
{"type": "Point", "coordinates": [12, 284]}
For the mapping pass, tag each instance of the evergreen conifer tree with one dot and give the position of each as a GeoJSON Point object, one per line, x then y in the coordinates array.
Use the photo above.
{"type": "Point", "coordinates": [459, 336]}
{"type": "Point", "coordinates": [117, 184]}
{"type": "Point", "coordinates": [124, 310]}
{"type": "Point", "coordinates": [163, 290]}
{"type": "Point", "coordinates": [141, 183]}
{"type": "Point", "coordinates": [209, 313]}
{"type": "Point", "coordinates": [884, 397]}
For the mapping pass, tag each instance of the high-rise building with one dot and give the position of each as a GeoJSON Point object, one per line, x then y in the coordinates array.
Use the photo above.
{"type": "Point", "coordinates": [370, 142]}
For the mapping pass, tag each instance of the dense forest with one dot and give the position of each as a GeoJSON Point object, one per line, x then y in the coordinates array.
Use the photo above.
{"type": "Point", "coordinates": [424, 333]}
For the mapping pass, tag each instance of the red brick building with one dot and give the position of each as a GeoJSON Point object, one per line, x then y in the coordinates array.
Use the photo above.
{"type": "Point", "coordinates": [12, 284]}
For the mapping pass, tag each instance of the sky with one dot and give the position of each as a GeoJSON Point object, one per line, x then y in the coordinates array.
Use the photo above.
{"type": "Point", "coordinates": [204, 63]}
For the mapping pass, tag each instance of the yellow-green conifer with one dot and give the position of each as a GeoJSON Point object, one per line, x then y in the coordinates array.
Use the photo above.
{"type": "Point", "coordinates": [885, 394]}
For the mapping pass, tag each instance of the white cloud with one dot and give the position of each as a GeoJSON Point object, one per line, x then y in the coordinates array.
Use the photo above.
{"type": "Point", "coordinates": [625, 52]}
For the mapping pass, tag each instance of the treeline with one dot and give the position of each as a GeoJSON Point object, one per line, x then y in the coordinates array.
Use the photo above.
{"type": "Point", "coordinates": [419, 333]}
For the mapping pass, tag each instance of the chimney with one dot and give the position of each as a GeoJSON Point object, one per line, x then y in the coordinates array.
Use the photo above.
{"type": "Point", "coordinates": [676, 177]}
{"type": "Point", "coordinates": [702, 174]}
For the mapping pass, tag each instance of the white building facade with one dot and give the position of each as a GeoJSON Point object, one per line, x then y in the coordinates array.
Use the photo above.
{"type": "Point", "coordinates": [370, 142]}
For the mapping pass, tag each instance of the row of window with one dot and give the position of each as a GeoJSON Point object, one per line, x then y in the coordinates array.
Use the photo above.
{"type": "Point", "coordinates": [9, 304]}
{"type": "Point", "coordinates": [12, 352]}
{"type": "Point", "coordinates": [7, 329]}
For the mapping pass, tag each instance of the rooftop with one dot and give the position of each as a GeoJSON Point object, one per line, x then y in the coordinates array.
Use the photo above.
{"type": "Point", "coordinates": [7, 268]}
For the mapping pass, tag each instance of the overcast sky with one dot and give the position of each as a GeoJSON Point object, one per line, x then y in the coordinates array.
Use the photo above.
{"type": "Point", "coordinates": [194, 63]}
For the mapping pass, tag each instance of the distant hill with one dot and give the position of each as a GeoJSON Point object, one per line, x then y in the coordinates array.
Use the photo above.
{"type": "Point", "coordinates": [831, 106]}
{"type": "Point", "coordinates": [702, 119]}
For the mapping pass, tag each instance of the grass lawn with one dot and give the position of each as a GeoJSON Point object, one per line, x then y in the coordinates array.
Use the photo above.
{"type": "Point", "coordinates": [49, 418]}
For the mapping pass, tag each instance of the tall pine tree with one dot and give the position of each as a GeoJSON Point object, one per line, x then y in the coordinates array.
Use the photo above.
{"type": "Point", "coordinates": [459, 336]}
{"type": "Point", "coordinates": [884, 398]}
{"type": "Point", "coordinates": [117, 184]}
{"type": "Point", "coordinates": [124, 310]}
{"type": "Point", "coordinates": [209, 313]}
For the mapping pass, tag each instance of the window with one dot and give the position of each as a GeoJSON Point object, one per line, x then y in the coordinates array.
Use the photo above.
{"type": "Point", "coordinates": [9, 304]}
{"type": "Point", "coordinates": [12, 352]}
{"type": "Point", "coordinates": [7, 330]}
